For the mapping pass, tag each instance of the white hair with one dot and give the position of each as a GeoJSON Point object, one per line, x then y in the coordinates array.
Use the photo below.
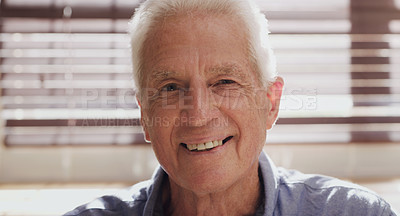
{"type": "Point", "coordinates": [150, 12]}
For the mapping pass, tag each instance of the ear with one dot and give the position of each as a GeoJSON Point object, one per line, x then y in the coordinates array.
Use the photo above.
{"type": "Point", "coordinates": [274, 96]}
{"type": "Point", "coordinates": [142, 121]}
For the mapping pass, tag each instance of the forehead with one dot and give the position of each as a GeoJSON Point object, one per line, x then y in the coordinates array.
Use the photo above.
{"type": "Point", "coordinates": [211, 43]}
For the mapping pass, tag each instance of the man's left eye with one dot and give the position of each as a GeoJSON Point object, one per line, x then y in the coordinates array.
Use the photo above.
{"type": "Point", "coordinates": [225, 81]}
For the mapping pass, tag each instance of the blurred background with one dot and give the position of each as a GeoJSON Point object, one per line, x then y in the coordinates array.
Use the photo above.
{"type": "Point", "coordinates": [69, 129]}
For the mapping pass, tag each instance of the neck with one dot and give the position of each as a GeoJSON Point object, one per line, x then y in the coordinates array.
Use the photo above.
{"type": "Point", "coordinates": [241, 198]}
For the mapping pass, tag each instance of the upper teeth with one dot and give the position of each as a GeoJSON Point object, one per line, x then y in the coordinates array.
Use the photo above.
{"type": "Point", "coordinates": [204, 146]}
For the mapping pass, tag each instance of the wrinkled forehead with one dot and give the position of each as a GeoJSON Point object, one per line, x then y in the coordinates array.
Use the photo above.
{"type": "Point", "coordinates": [195, 27]}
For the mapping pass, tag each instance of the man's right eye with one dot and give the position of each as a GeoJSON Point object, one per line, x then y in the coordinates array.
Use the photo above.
{"type": "Point", "coordinates": [170, 87]}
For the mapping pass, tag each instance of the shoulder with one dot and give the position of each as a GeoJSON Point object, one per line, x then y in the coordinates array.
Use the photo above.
{"type": "Point", "coordinates": [128, 202]}
{"type": "Point", "coordinates": [140, 199]}
{"type": "Point", "coordinates": [323, 195]}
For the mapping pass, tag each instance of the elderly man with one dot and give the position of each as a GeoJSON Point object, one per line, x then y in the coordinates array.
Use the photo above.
{"type": "Point", "coordinates": [208, 93]}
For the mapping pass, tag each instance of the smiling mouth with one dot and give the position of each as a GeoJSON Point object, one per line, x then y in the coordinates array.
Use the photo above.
{"type": "Point", "coordinates": [207, 146]}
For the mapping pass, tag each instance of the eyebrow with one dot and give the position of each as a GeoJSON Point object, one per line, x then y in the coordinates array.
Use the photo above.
{"type": "Point", "coordinates": [159, 75]}
{"type": "Point", "coordinates": [227, 69]}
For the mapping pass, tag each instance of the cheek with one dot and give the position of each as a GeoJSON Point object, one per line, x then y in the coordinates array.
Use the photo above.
{"type": "Point", "coordinates": [231, 100]}
{"type": "Point", "coordinates": [160, 124]}
{"type": "Point", "coordinates": [259, 108]}
{"type": "Point", "coordinates": [160, 130]}
{"type": "Point", "coordinates": [251, 115]}
{"type": "Point", "coordinates": [249, 105]}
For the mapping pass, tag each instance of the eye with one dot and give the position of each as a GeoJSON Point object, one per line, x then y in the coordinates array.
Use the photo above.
{"type": "Point", "coordinates": [225, 82]}
{"type": "Point", "coordinates": [170, 87]}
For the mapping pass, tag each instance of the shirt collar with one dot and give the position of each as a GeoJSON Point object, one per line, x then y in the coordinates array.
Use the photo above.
{"type": "Point", "coordinates": [269, 174]}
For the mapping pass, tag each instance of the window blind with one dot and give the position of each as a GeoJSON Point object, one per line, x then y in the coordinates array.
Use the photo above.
{"type": "Point", "coordinates": [66, 74]}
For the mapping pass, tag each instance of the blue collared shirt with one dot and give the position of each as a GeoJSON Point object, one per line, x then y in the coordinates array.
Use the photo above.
{"type": "Point", "coordinates": [286, 193]}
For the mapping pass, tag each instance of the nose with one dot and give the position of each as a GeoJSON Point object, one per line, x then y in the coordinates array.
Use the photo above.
{"type": "Point", "coordinates": [200, 107]}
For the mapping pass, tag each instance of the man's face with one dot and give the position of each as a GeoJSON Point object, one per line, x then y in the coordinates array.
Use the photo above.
{"type": "Point", "coordinates": [199, 88]}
